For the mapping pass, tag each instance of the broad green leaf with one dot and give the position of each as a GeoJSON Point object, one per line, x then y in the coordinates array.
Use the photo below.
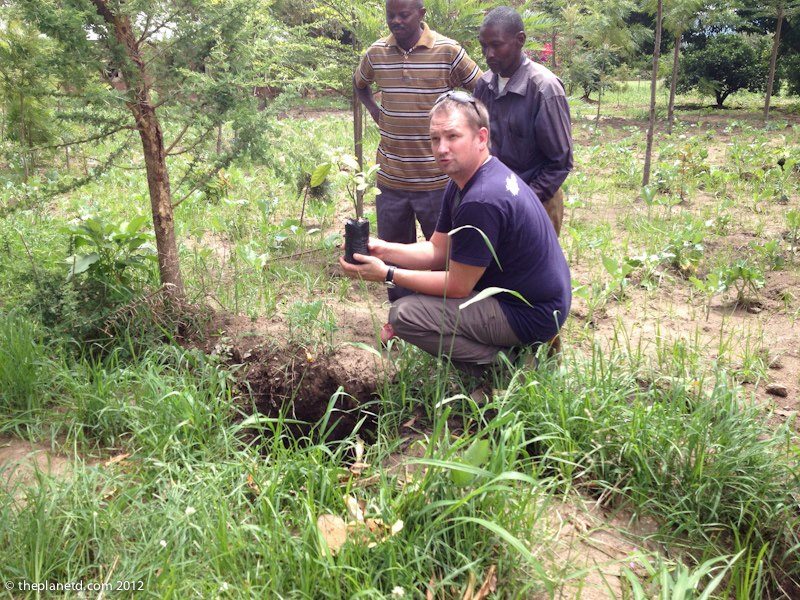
{"type": "Point", "coordinates": [81, 262]}
{"type": "Point", "coordinates": [320, 174]}
{"type": "Point", "coordinates": [476, 456]}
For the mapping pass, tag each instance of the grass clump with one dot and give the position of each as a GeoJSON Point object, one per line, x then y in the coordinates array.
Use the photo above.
{"type": "Point", "coordinates": [692, 453]}
{"type": "Point", "coordinates": [25, 371]}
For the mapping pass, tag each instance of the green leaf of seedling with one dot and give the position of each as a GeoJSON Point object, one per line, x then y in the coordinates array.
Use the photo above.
{"type": "Point", "coordinates": [485, 240]}
{"type": "Point", "coordinates": [475, 456]}
{"type": "Point", "coordinates": [611, 266]}
{"type": "Point", "coordinates": [80, 262]}
{"type": "Point", "coordinates": [491, 291]}
{"type": "Point", "coordinates": [320, 174]}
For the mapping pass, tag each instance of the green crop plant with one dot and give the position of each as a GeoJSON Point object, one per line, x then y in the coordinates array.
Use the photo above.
{"type": "Point", "coordinates": [620, 269]}
{"type": "Point", "coordinates": [708, 287]}
{"type": "Point", "coordinates": [771, 253]}
{"type": "Point", "coordinates": [745, 277]}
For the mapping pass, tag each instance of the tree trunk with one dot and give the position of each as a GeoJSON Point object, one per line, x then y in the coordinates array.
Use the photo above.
{"type": "Point", "coordinates": [134, 71]}
{"type": "Point", "coordinates": [673, 84]}
{"type": "Point", "coordinates": [219, 139]}
{"type": "Point", "coordinates": [553, 62]}
{"type": "Point", "coordinates": [653, 83]}
{"type": "Point", "coordinates": [773, 60]}
{"type": "Point", "coordinates": [720, 97]}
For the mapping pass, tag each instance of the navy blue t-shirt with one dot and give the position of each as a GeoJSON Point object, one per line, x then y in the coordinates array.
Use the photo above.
{"type": "Point", "coordinates": [507, 211]}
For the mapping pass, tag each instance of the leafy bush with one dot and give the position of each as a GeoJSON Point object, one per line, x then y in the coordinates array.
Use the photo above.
{"type": "Point", "coordinates": [113, 255]}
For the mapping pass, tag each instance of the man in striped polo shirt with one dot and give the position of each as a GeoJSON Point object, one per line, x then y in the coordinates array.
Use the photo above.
{"type": "Point", "coordinates": [411, 67]}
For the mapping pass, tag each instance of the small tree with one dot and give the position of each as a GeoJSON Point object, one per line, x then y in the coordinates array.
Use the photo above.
{"type": "Point", "coordinates": [728, 63]}
{"type": "Point", "coordinates": [130, 66]}
{"type": "Point", "coordinates": [677, 19]}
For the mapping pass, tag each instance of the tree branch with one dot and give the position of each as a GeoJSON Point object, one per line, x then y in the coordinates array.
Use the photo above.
{"type": "Point", "coordinates": [92, 138]}
{"type": "Point", "coordinates": [178, 138]}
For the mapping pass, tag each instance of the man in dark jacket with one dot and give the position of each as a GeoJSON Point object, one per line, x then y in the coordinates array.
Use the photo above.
{"type": "Point", "coordinates": [528, 111]}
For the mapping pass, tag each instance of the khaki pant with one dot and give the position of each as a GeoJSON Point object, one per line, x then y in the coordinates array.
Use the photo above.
{"type": "Point", "coordinates": [469, 337]}
{"type": "Point", "coordinates": [555, 210]}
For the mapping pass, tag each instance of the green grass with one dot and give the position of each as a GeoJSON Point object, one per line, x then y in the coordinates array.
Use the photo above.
{"type": "Point", "coordinates": [660, 425]}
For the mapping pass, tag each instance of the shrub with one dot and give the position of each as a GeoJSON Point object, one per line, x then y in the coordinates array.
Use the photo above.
{"type": "Point", "coordinates": [726, 64]}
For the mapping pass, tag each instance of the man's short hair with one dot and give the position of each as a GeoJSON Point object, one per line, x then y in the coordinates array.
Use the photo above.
{"type": "Point", "coordinates": [474, 111]}
{"type": "Point", "coordinates": [506, 18]}
{"type": "Point", "coordinates": [416, 3]}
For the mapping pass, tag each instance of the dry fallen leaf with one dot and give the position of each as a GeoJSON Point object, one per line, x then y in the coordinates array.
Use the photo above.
{"type": "Point", "coordinates": [116, 459]}
{"type": "Point", "coordinates": [470, 593]}
{"type": "Point", "coordinates": [410, 423]}
{"type": "Point", "coordinates": [489, 584]}
{"type": "Point", "coordinates": [397, 527]}
{"type": "Point", "coordinates": [374, 525]}
{"type": "Point", "coordinates": [354, 508]}
{"type": "Point", "coordinates": [357, 468]}
{"type": "Point", "coordinates": [251, 483]}
{"type": "Point", "coordinates": [359, 449]}
{"type": "Point", "coordinates": [333, 530]}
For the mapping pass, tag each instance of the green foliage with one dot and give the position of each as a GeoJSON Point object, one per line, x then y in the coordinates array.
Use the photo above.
{"type": "Point", "coordinates": [686, 247]}
{"type": "Point", "coordinates": [728, 62]}
{"type": "Point", "coordinates": [114, 256]}
{"type": "Point", "coordinates": [793, 222]}
{"type": "Point", "coordinates": [745, 277]}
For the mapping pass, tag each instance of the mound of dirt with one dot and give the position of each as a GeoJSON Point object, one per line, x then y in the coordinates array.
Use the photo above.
{"type": "Point", "coordinates": [292, 382]}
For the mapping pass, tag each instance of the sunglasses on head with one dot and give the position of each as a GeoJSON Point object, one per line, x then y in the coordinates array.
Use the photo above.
{"type": "Point", "coordinates": [460, 97]}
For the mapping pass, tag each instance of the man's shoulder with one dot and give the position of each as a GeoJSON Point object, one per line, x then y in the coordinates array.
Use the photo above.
{"type": "Point", "coordinates": [495, 183]}
{"type": "Point", "coordinates": [379, 44]}
{"type": "Point", "coordinates": [441, 42]}
{"type": "Point", "coordinates": [542, 77]}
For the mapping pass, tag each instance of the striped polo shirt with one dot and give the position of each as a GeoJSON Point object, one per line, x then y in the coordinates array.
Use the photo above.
{"type": "Point", "coordinates": [409, 83]}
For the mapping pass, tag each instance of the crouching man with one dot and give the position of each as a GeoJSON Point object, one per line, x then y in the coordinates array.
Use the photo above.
{"type": "Point", "coordinates": [492, 232]}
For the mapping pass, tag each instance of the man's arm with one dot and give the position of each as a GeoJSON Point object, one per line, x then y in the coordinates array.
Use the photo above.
{"type": "Point", "coordinates": [421, 256]}
{"type": "Point", "coordinates": [368, 100]}
{"type": "Point", "coordinates": [552, 132]}
{"type": "Point", "coordinates": [465, 72]}
{"type": "Point", "coordinates": [457, 282]}
{"type": "Point", "coordinates": [363, 77]}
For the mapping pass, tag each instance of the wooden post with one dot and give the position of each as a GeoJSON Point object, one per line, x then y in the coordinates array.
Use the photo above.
{"type": "Point", "coordinates": [653, 83]}
{"type": "Point", "coordinates": [358, 143]}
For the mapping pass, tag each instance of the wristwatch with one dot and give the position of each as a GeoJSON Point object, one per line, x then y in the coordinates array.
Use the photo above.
{"type": "Point", "coordinates": [389, 281]}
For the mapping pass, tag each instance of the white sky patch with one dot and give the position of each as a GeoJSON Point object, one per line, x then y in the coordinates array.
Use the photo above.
{"type": "Point", "coordinates": [512, 185]}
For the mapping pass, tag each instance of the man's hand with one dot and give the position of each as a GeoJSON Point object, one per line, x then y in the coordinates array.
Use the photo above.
{"type": "Point", "coordinates": [371, 269]}
{"type": "Point", "coordinates": [377, 247]}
